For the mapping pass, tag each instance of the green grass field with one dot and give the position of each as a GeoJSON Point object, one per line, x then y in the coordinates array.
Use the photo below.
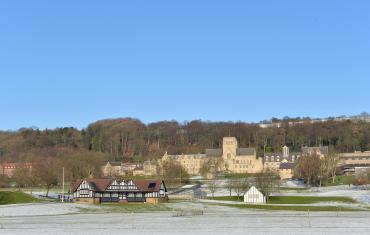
{"type": "Point", "coordinates": [307, 200]}
{"type": "Point", "coordinates": [294, 208]}
{"type": "Point", "coordinates": [292, 199]}
{"type": "Point", "coordinates": [15, 197]}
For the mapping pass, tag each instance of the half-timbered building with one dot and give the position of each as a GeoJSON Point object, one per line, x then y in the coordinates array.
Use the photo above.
{"type": "Point", "coordinates": [112, 190]}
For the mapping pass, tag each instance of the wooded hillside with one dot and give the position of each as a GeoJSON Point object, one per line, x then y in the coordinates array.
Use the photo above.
{"type": "Point", "coordinates": [130, 140]}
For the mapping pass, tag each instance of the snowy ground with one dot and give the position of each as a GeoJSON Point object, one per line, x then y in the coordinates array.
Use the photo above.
{"type": "Point", "coordinates": [185, 218]}
{"type": "Point", "coordinates": [215, 220]}
{"type": "Point", "coordinates": [358, 193]}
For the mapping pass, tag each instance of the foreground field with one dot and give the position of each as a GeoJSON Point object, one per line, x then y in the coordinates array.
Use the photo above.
{"type": "Point", "coordinates": [68, 219]}
{"type": "Point", "coordinates": [15, 197]}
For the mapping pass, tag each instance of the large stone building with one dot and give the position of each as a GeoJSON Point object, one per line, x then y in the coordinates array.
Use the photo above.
{"type": "Point", "coordinates": [354, 163]}
{"type": "Point", "coordinates": [8, 169]}
{"type": "Point", "coordinates": [231, 158]}
{"type": "Point", "coordinates": [285, 161]}
{"type": "Point", "coordinates": [272, 161]}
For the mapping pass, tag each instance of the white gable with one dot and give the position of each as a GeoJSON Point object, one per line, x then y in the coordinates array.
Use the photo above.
{"type": "Point", "coordinates": [254, 196]}
{"type": "Point", "coordinates": [84, 185]}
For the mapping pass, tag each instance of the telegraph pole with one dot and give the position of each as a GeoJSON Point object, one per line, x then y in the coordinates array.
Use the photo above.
{"type": "Point", "coordinates": [63, 186]}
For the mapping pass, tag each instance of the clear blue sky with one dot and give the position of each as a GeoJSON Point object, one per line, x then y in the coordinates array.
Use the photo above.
{"type": "Point", "coordinates": [70, 63]}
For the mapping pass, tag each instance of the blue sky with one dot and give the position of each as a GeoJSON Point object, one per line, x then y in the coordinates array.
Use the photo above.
{"type": "Point", "coordinates": [70, 63]}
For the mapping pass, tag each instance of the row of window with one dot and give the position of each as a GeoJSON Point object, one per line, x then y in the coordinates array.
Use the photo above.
{"type": "Point", "coordinates": [357, 159]}
{"type": "Point", "coordinates": [245, 166]}
{"type": "Point", "coordinates": [122, 196]}
{"type": "Point", "coordinates": [244, 161]}
{"type": "Point", "coordinates": [122, 187]}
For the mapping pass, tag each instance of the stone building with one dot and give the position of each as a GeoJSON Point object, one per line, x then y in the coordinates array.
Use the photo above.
{"type": "Point", "coordinates": [232, 158]}
{"type": "Point", "coordinates": [321, 151]}
{"type": "Point", "coordinates": [8, 169]}
{"type": "Point", "coordinates": [272, 161]}
{"type": "Point", "coordinates": [286, 170]}
{"type": "Point", "coordinates": [113, 169]}
{"type": "Point", "coordinates": [284, 162]}
{"type": "Point", "coordinates": [354, 163]}
{"type": "Point", "coordinates": [150, 168]}
{"type": "Point", "coordinates": [192, 163]}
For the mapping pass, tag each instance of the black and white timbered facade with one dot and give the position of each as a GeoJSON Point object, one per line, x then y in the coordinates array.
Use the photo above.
{"type": "Point", "coordinates": [108, 190]}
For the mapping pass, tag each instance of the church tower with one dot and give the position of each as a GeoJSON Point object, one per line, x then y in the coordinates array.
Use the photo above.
{"type": "Point", "coordinates": [285, 151]}
{"type": "Point", "coordinates": [229, 146]}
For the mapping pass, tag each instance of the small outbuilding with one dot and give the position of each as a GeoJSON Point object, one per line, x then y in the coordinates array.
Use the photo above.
{"type": "Point", "coordinates": [254, 196]}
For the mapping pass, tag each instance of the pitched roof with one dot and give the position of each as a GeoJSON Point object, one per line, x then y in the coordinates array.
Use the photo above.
{"type": "Point", "coordinates": [214, 152]}
{"type": "Point", "coordinates": [287, 165]}
{"type": "Point", "coordinates": [245, 151]}
{"type": "Point", "coordinates": [76, 184]}
{"type": "Point", "coordinates": [100, 184]}
{"type": "Point", "coordinates": [148, 185]}
{"type": "Point", "coordinates": [95, 184]}
{"type": "Point", "coordinates": [103, 184]}
{"type": "Point", "coordinates": [114, 163]}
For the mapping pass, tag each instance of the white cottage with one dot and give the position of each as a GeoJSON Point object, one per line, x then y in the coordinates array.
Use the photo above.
{"type": "Point", "coordinates": [254, 196]}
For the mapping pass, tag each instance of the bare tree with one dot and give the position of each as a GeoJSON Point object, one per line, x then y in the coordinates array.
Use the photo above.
{"type": "Point", "coordinates": [212, 187]}
{"type": "Point", "coordinates": [308, 168]}
{"type": "Point", "coordinates": [267, 182]}
{"type": "Point", "coordinates": [48, 171]}
{"type": "Point", "coordinates": [323, 171]}
{"type": "Point", "coordinates": [332, 161]}
{"type": "Point", "coordinates": [240, 186]}
{"type": "Point", "coordinates": [21, 177]}
{"type": "Point", "coordinates": [229, 185]}
{"type": "Point", "coordinates": [174, 173]}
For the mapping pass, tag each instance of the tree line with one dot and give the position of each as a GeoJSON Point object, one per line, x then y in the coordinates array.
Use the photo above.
{"type": "Point", "coordinates": [129, 139]}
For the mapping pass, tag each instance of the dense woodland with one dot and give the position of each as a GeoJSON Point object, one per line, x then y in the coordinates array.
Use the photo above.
{"type": "Point", "coordinates": [131, 140]}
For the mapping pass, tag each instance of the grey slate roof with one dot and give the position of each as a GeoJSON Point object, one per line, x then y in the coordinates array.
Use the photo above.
{"type": "Point", "coordinates": [286, 165]}
{"type": "Point", "coordinates": [115, 163]}
{"type": "Point", "coordinates": [245, 151]}
{"type": "Point", "coordinates": [214, 152]}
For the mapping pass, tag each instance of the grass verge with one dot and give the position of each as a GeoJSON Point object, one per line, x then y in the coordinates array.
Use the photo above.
{"type": "Point", "coordinates": [291, 199]}
{"type": "Point", "coordinates": [294, 208]}
{"type": "Point", "coordinates": [15, 197]}
{"type": "Point", "coordinates": [134, 207]}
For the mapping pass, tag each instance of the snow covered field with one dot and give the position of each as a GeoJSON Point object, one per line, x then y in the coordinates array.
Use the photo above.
{"type": "Point", "coordinates": [56, 219]}
{"type": "Point", "coordinates": [184, 218]}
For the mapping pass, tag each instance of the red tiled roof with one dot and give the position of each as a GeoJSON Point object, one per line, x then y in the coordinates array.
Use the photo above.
{"type": "Point", "coordinates": [148, 185]}
{"type": "Point", "coordinates": [103, 184]}
{"type": "Point", "coordinates": [96, 184]}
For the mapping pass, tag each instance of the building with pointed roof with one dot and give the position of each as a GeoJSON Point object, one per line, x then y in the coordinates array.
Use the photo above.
{"type": "Point", "coordinates": [233, 159]}
{"type": "Point", "coordinates": [112, 190]}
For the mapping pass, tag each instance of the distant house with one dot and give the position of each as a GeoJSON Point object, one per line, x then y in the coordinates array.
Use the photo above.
{"type": "Point", "coordinates": [254, 196]}
{"type": "Point", "coordinates": [114, 169]}
{"type": "Point", "coordinates": [322, 151]}
{"type": "Point", "coordinates": [8, 169]}
{"type": "Point", "coordinates": [286, 170]}
{"type": "Point", "coordinates": [150, 168]}
{"type": "Point", "coordinates": [111, 190]}
{"type": "Point", "coordinates": [272, 161]}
